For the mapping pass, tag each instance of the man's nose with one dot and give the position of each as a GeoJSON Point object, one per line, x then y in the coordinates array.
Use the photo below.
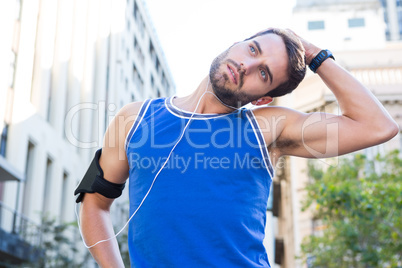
{"type": "Point", "coordinates": [247, 66]}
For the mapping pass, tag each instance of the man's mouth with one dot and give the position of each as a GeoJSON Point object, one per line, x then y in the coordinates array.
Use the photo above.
{"type": "Point", "coordinates": [232, 74]}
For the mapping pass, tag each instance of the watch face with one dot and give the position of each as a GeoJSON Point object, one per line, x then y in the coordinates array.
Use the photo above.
{"type": "Point", "coordinates": [324, 53]}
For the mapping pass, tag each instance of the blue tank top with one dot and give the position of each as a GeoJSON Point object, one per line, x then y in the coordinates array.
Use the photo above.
{"type": "Point", "coordinates": [207, 207]}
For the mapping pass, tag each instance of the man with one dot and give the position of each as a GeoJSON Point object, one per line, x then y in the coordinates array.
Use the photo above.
{"type": "Point", "coordinates": [200, 169]}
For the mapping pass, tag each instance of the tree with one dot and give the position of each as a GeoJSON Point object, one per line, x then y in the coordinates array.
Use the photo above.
{"type": "Point", "coordinates": [359, 203]}
{"type": "Point", "coordinates": [57, 247]}
{"type": "Point", "coordinates": [59, 242]}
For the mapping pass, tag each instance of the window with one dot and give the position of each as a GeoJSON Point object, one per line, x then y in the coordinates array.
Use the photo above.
{"type": "Point", "coordinates": [400, 19]}
{"type": "Point", "coordinates": [135, 10]}
{"type": "Point", "coordinates": [64, 192]}
{"type": "Point", "coordinates": [138, 82]}
{"type": "Point", "coordinates": [151, 48]}
{"type": "Point", "coordinates": [356, 22]}
{"type": "Point", "coordinates": [138, 50]}
{"type": "Point", "coordinates": [47, 187]}
{"type": "Point", "coordinates": [157, 64]}
{"type": "Point", "coordinates": [29, 168]}
{"type": "Point", "coordinates": [3, 142]}
{"type": "Point", "coordinates": [49, 115]}
{"type": "Point", "coordinates": [154, 57]}
{"type": "Point", "coordinates": [318, 227]}
{"type": "Point", "coordinates": [1, 193]}
{"type": "Point", "coordinates": [270, 200]}
{"type": "Point", "coordinates": [316, 25]}
{"type": "Point", "coordinates": [165, 83]}
{"type": "Point", "coordinates": [135, 42]}
{"type": "Point", "coordinates": [139, 20]}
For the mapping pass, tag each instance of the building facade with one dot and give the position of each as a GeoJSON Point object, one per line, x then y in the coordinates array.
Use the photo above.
{"type": "Point", "coordinates": [365, 43]}
{"type": "Point", "coordinates": [393, 19]}
{"type": "Point", "coordinates": [67, 68]}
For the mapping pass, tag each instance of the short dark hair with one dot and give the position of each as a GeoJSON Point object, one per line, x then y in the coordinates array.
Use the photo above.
{"type": "Point", "coordinates": [297, 61]}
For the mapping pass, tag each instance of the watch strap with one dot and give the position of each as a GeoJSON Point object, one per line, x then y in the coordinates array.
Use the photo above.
{"type": "Point", "coordinates": [319, 59]}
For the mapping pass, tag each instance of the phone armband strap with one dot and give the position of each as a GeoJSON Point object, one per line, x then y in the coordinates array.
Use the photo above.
{"type": "Point", "coordinates": [94, 182]}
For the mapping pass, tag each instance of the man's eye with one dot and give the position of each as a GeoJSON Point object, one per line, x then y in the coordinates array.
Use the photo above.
{"type": "Point", "coordinates": [252, 49]}
{"type": "Point", "coordinates": [264, 74]}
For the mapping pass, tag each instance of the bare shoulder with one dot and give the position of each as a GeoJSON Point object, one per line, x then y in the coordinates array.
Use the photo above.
{"type": "Point", "coordinates": [130, 109]}
{"type": "Point", "coordinates": [119, 127]}
{"type": "Point", "coordinates": [113, 159]}
{"type": "Point", "coordinates": [127, 115]}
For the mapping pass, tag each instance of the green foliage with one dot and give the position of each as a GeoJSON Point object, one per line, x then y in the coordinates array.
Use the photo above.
{"type": "Point", "coordinates": [359, 204]}
{"type": "Point", "coordinates": [60, 245]}
{"type": "Point", "coordinates": [61, 248]}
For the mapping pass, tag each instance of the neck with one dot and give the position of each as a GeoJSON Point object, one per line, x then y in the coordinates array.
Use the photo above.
{"type": "Point", "coordinates": [209, 103]}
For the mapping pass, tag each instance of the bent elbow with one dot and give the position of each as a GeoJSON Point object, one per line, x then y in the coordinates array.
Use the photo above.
{"type": "Point", "coordinates": [389, 131]}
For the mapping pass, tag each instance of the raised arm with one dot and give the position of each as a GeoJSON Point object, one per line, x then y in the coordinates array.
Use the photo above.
{"type": "Point", "coordinates": [95, 217]}
{"type": "Point", "coordinates": [363, 123]}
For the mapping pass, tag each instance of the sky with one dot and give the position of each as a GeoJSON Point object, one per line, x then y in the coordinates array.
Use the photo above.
{"type": "Point", "coordinates": [193, 32]}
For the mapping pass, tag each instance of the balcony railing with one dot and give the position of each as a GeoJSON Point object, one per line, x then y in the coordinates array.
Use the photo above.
{"type": "Point", "coordinates": [20, 237]}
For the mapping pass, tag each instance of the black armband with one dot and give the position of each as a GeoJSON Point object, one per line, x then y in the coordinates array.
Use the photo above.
{"type": "Point", "coordinates": [94, 182]}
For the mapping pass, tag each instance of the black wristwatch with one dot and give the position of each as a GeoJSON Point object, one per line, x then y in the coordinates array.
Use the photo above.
{"type": "Point", "coordinates": [319, 59]}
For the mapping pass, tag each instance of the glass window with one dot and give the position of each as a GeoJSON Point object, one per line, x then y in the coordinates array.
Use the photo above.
{"type": "Point", "coordinates": [64, 194]}
{"type": "Point", "coordinates": [135, 10]}
{"type": "Point", "coordinates": [138, 82]}
{"type": "Point", "coordinates": [316, 25]}
{"type": "Point", "coordinates": [47, 187]}
{"type": "Point", "coordinates": [3, 142]}
{"type": "Point", "coordinates": [400, 20]}
{"type": "Point", "coordinates": [29, 171]}
{"type": "Point", "coordinates": [356, 22]}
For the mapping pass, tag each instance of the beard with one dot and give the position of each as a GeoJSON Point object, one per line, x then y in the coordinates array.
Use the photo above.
{"type": "Point", "coordinates": [220, 82]}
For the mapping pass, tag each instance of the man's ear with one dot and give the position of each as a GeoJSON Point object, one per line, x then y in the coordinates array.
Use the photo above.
{"type": "Point", "coordinates": [263, 100]}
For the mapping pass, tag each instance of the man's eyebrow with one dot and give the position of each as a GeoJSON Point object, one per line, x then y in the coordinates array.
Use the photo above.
{"type": "Point", "coordinates": [258, 46]}
{"type": "Point", "coordinates": [271, 78]}
{"type": "Point", "coordinates": [266, 66]}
